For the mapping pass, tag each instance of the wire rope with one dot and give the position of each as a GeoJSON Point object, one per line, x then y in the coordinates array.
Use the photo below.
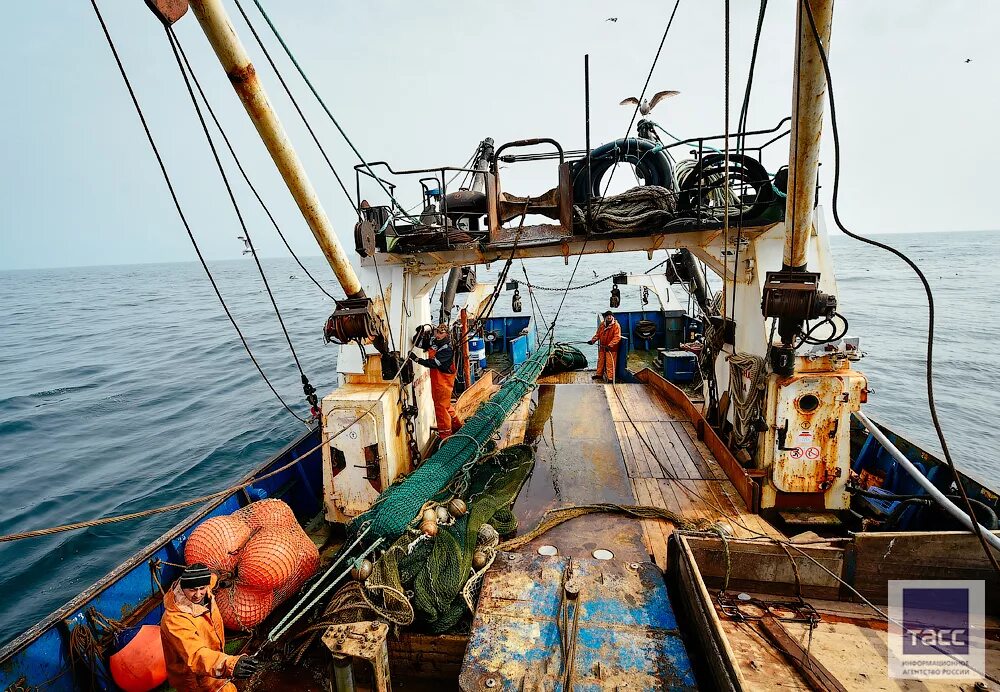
{"type": "Point", "coordinates": [181, 59]}
{"type": "Point", "coordinates": [180, 210]}
{"type": "Point", "coordinates": [246, 177]}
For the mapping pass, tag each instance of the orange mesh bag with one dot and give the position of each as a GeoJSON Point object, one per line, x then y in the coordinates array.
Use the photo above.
{"type": "Point", "coordinates": [243, 607]}
{"type": "Point", "coordinates": [216, 543]}
{"type": "Point", "coordinates": [306, 565]}
{"type": "Point", "coordinates": [267, 514]}
{"type": "Point", "coordinates": [268, 561]}
{"type": "Point", "coordinates": [266, 553]}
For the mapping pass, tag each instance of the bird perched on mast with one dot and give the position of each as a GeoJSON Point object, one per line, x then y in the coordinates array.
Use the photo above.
{"type": "Point", "coordinates": [646, 106]}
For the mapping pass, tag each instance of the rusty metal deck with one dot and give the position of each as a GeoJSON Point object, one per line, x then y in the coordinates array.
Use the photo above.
{"type": "Point", "coordinates": [617, 631]}
{"type": "Point", "coordinates": [625, 444]}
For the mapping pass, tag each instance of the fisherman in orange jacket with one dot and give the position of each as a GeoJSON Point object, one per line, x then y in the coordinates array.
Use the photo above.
{"type": "Point", "coordinates": [194, 637]}
{"type": "Point", "coordinates": [609, 335]}
{"type": "Point", "coordinates": [440, 361]}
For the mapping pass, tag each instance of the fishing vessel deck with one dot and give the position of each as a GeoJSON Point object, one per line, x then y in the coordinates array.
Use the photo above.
{"type": "Point", "coordinates": [626, 444]}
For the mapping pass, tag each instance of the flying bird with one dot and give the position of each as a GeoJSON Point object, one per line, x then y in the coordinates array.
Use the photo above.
{"type": "Point", "coordinates": [646, 106]}
{"type": "Point", "coordinates": [968, 60]}
{"type": "Point", "coordinates": [611, 19]}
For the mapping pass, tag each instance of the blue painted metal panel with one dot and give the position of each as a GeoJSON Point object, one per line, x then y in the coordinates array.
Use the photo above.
{"type": "Point", "coordinates": [519, 350]}
{"type": "Point", "coordinates": [627, 634]}
{"type": "Point", "coordinates": [42, 659]}
{"type": "Point", "coordinates": [506, 330]}
{"type": "Point", "coordinates": [671, 328]}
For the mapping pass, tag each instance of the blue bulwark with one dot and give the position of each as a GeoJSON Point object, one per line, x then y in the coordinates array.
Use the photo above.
{"type": "Point", "coordinates": [626, 636]}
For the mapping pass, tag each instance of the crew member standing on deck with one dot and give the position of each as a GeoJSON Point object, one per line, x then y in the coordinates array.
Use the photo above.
{"type": "Point", "coordinates": [194, 637]}
{"type": "Point", "coordinates": [441, 362]}
{"type": "Point", "coordinates": [608, 336]}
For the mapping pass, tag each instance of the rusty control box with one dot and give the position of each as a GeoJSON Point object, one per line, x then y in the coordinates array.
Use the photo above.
{"type": "Point", "coordinates": [809, 423]}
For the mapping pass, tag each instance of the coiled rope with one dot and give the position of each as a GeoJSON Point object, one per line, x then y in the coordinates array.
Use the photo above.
{"type": "Point", "coordinates": [747, 398]}
{"type": "Point", "coordinates": [638, 209]}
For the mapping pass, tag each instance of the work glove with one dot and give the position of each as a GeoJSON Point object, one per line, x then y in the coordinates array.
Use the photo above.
{"type": "Point", "coordinates": [592, 342]}
{"type": "Point", "coordinates": [412, 356]}
{"type": "Point", "coordinates": [246, 667]}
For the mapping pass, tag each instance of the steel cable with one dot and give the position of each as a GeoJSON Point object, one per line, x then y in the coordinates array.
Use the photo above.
{"type": "Point", "coordinates": [246, 177]}
{"type": "Point", "coordinates": [308, 390]}
{"type": "Point", "coordinates": [180, 211]}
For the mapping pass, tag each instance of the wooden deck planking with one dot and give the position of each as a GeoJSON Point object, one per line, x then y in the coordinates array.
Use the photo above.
{"type": "Point", "coordinates": [698, 451]}
{"type": "Point", "coordinates": [686, 466]}
{"type": "Point", "coordinates": [574, 377]}
{"type": "Point", "coordinates": [656, 532]}
{"type": "Point", "coordinates": [640, 403]}
{"type": "Point", "coordinates": [676, 471]}
{"type": "Point", "coordinates": [513, 428]}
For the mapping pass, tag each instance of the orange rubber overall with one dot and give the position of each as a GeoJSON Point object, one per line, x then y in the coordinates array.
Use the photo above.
{"type": "Point", "coordinates": [442, 385]}
{"type": "Point", "coordinates": [194, 640]}
{"type": "Point", "coordinates": [608, 338]}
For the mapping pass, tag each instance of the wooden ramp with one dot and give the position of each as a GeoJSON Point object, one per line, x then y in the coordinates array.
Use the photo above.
{"type": "Point", "coordinates": [624, 444]}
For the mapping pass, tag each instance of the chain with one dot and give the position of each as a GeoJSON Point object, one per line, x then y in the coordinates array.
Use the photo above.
{"type": "Point", "coordinates": [571, 288]}
{"type": "Point", "coordinates": [407, 414]}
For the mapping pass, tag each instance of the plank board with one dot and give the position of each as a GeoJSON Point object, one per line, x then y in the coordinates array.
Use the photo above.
{"type": "Point", "coordinates": [641, 404]}
{"type": "Point", "coordinates": [575, 377]}
{"type": "Point", "coordinates": [931, 555]}
{"type": "Point", "coordinates": [655, 532]}
{"type": "Point", "coordinates": [513, 428]}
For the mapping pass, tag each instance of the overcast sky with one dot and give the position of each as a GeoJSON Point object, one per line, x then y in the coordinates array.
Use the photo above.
{"type": "Point", "coordinates": [419, 84]}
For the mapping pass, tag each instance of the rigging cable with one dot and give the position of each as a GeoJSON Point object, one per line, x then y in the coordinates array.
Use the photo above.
{"type": "Point", "coordinates": [741, 140]}
{"type": "Point", "coordinates": [727, 189]}
{"type": "Point", "coordinates": [315, 138]}
{"type": "Point", "coordinates": [178, 50]}
{"type": "Point", "coordinates": [322, 104]}
{"type": "Point", "coordinates": [246, 177]}
{"type": "Point", "coordinates": [977, 529]}
{"type": "Point", "coordinates": [298, 108]}
{"type": "Point", "coordinates": [641, 95]}
{"type": "Point", "coordinates": [180, 211]}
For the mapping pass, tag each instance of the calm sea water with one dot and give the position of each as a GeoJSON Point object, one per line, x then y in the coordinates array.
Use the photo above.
{"type": "Point", "coordinates": [124, 388]}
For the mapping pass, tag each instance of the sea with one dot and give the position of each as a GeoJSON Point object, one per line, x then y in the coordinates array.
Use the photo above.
{"type": "Point", "coordinates": [124, 388]}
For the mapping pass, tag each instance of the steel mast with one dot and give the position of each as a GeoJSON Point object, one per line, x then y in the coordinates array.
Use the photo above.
{"type": "Point", "coordinates": [808, 106]}
{"type": "Point", "coordinates": [231, 53]}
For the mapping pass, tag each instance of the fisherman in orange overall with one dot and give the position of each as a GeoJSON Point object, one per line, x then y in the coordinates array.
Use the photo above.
{"type": "Point", "coordinates": [441, 362]}
{"type": "Point", "coordinates": [194, 638]}
{"type": "Point", "coordinates": [609, 335]}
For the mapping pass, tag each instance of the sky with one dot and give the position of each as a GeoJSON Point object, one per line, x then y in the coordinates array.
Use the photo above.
{"type": "Point", "coordinates": [420, 84]}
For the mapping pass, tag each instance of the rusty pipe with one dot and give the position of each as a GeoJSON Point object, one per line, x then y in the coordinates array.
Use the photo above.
{"type": "Point", "coordinates": [222, 36]}
{"type": "Point", "coordinates": [808, 105]}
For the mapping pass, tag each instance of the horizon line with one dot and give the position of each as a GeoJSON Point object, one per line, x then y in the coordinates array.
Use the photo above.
{"type": "Point", "coordinates": [831, 231]}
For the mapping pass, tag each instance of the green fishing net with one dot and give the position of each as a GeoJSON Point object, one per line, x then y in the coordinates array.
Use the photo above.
{"type": "Point", "coordinates": [431, 571]}
{"type": "Point", "coordinates": [565, 358]}
{"type": "Point", "coordinates": [399, 504]}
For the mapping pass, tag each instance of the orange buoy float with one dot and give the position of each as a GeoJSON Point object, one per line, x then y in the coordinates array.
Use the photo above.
{"type": "Point", "coordinates": [243, 607]}
{"type": "Point", "coordinates": [216, 543]}
{"type": "Point", "coordinates": [268, 561]}
{"type": "Point", "coordinates": [139, 666]}
{"type": "Point", "coordinates": [269, 513]}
